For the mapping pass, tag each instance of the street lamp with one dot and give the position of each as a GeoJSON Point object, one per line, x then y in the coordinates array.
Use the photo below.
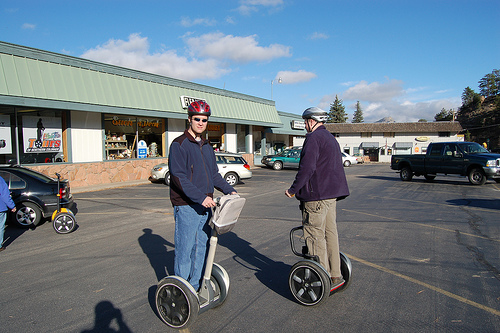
{"type": "Point", "coordinates": [272, 81]}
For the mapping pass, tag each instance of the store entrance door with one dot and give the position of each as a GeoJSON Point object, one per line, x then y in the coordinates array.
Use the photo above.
{"type": "Point", "coordinates": [372, 154]}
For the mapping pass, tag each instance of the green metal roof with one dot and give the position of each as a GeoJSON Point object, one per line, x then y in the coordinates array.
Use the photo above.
{"type": "Point", "coordinates": [287, 128]}
{"type": "Point", "coordinates": [37, 78]}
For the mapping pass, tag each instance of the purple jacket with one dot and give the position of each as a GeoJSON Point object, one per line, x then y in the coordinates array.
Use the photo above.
{"type": "Point", "coordinates": [321, 172]}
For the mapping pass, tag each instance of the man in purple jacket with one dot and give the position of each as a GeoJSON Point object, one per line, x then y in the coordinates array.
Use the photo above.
{"type": "Point", "coordinates": [319, 183]}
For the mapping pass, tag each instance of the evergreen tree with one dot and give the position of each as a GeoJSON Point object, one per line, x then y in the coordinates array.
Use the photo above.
{"type": "Point", "coordinates": [444, 115]}
{"type": "Point", "coordinates": [358, 114]}
{"type": "Point", "coordinates": [471, 101]}
{"type": "Point", "coordinates": [337, 112]}
{"type": "Point", "coordinates": [489, 85]}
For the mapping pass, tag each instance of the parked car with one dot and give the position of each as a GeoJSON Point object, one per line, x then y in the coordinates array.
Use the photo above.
{"type": "Point", "coordinates": [288, 158]}
{"type": "Point", "coordinates": [232, 167]}
{"type": "Point", "coordinates": [347, 159]}
{"type": "Point", "coordinates": [359, 158]}
{"type": "Point", "coordinates": [34, 194]}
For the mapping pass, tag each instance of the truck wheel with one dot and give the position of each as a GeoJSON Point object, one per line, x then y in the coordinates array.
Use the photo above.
{"type": "Point", "coordinates": [477, 176]}
{"type": "Point", "coordinates": [406, 175]}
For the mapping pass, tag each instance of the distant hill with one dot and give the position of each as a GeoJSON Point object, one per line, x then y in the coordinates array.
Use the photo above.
{"type": "Point", "coordinates": [386, 120]}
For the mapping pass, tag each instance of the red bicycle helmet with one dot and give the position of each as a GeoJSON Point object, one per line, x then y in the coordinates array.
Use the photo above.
{"type": "Point", "coordinates": [199, 108]}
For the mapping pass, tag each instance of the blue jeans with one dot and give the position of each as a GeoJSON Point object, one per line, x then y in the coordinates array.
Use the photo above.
{"type": "Point", "coordinates": [191, 238]}
{"type": "Point", "coordinates": [3, 218]}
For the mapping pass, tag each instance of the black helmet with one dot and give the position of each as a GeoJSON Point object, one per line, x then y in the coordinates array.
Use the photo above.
{"type": "Point", "coordinates": [200, 108]}
{"type": "Point", "coordinates": [315, 113]}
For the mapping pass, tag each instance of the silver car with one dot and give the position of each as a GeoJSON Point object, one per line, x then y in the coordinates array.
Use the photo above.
{"type": "Point", "coordinates": [232, 167]}
{"type": "Point", "coordinates": [347, 159]}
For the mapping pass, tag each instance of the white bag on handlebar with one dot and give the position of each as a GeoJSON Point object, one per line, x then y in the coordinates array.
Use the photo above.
{"type": "Point", "coordinates": [226, 212]}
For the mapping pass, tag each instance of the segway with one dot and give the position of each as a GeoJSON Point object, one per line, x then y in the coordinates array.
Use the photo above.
{"type": "Point", "coordinates": [309, 282]}
{"type": "Point", "coordinates": [177, 303]}
{"type": "Point", "coordinates": [63, 219]}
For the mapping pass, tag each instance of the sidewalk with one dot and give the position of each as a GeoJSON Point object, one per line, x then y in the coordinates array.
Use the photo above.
{"type": "Point", "coordinates": [108, 186]}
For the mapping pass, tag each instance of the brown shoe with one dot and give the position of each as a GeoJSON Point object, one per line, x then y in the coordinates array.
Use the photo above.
{"type": "Point", "coordinates": [337, 282]}
{"type": "Point", "coordinates": [2, 248]}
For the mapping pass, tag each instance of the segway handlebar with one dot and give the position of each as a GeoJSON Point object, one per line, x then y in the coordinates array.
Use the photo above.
{"type": "Point", "coordinates": [305, 251]}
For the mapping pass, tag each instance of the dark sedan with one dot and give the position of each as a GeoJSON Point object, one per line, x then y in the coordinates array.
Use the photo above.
{"type": "Point", "coordinates": [34, 194]}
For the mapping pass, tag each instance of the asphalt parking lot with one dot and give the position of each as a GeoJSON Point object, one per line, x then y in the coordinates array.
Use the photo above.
{"type": "Point", "coordinates": [425, 258]}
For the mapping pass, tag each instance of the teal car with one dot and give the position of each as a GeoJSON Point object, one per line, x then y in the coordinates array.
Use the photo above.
{"type": "Point", "coordinates": [288, 158]}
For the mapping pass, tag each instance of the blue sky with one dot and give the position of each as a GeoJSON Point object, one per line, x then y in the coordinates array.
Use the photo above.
{"type": "Point", "coordinates": [403, 59]}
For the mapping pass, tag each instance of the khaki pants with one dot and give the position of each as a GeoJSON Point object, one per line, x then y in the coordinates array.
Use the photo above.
{"type": "Point", "coordinates": [319, 219]}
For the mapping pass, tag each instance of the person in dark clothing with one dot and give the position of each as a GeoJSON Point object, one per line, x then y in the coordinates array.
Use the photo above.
{"type": "Point", "coordinates": [319, 183]}
{"type": "Point", "coordinates": [193, 176]}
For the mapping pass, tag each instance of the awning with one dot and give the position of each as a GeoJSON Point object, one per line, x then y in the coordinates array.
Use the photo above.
{"type": "Point", "coordinates": [365, 145]}
{"type": "Point", "coordinates": [403, 145]}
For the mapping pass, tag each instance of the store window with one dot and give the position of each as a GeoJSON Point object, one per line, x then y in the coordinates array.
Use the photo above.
{"type": "Point", "coordinates": [7, 139]}
{"type": "Point", "coordinates": [133, 137]}
{"type": "Point", "coordinates": [40, 136]}
{"type": "Point", "coordinates": [215, 133]}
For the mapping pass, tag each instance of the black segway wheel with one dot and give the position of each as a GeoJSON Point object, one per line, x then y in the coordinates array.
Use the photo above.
{"type": "Point", "coordinates": [64, 223]}
{"type": "Point", "coordinates": [176, 304]}
{"type": "Point", "coordinates": [309, 283]}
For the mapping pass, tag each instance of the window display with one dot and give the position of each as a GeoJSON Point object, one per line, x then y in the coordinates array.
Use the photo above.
{"type": "Point", "coordinates": [123, 133]}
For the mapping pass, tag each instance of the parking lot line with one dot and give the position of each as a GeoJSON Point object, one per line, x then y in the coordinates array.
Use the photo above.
{"type": "Point", "coordinates": [420, 224]}
{"type": "Point", "coordinates": [432, 203]}
{"type": "Point", "coordinates": [426, 285]}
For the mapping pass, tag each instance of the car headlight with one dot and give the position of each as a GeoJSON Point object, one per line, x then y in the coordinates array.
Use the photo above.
{"type": "Point", "coordinates": [491, 163]}
{"type": "Point", "coordinates": [158, 168]}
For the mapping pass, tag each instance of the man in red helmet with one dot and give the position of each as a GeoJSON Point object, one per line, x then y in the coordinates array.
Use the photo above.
{"type": "Point", "coordinates": [193, 176]}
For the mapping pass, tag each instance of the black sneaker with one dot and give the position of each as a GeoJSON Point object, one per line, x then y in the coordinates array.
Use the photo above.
{"type": "Point", "coordinates": [336, 283]}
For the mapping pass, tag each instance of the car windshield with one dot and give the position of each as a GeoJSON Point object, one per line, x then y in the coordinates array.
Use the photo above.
{"type": "Point", "coordinates": [473, 148]}
{"type": "Point", "coordinates": [284, 152]}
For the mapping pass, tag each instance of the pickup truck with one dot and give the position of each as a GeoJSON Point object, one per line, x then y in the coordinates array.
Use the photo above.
{"type": "Point", "coordinates": [460, 158]}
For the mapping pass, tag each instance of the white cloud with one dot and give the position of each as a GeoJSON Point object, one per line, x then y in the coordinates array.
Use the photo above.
{"type": "Point", "coordinates": [375, 91]}
{"type": "Point", "coordinates": [28, 26]}
{"type": "Point", "coordinates": [318, 35]}
{"type": "Point", "coordinates": [134, 53]}
{"type": "Point", "coordinates": [235, 48]}
{"type": "Point", "coordinates": [389, 99]}
{"type": "Point", "coordinates": [288, 77]}
{"type": "Point", "coordinates": [406, 111]}
{"type": "Point", "coordinates": [189, 22]}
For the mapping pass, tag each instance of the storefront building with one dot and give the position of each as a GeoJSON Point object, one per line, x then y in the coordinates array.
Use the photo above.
{"type": "Point", "coordinates": [291, 133]}
{"type": "Point", "coordinates": [377, 142]}
{"type": "Point", "coordinates": [98, 123]}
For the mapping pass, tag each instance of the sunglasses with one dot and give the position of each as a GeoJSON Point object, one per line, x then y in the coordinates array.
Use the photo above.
{"type": "Point", "coordinates": [198, 120]}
